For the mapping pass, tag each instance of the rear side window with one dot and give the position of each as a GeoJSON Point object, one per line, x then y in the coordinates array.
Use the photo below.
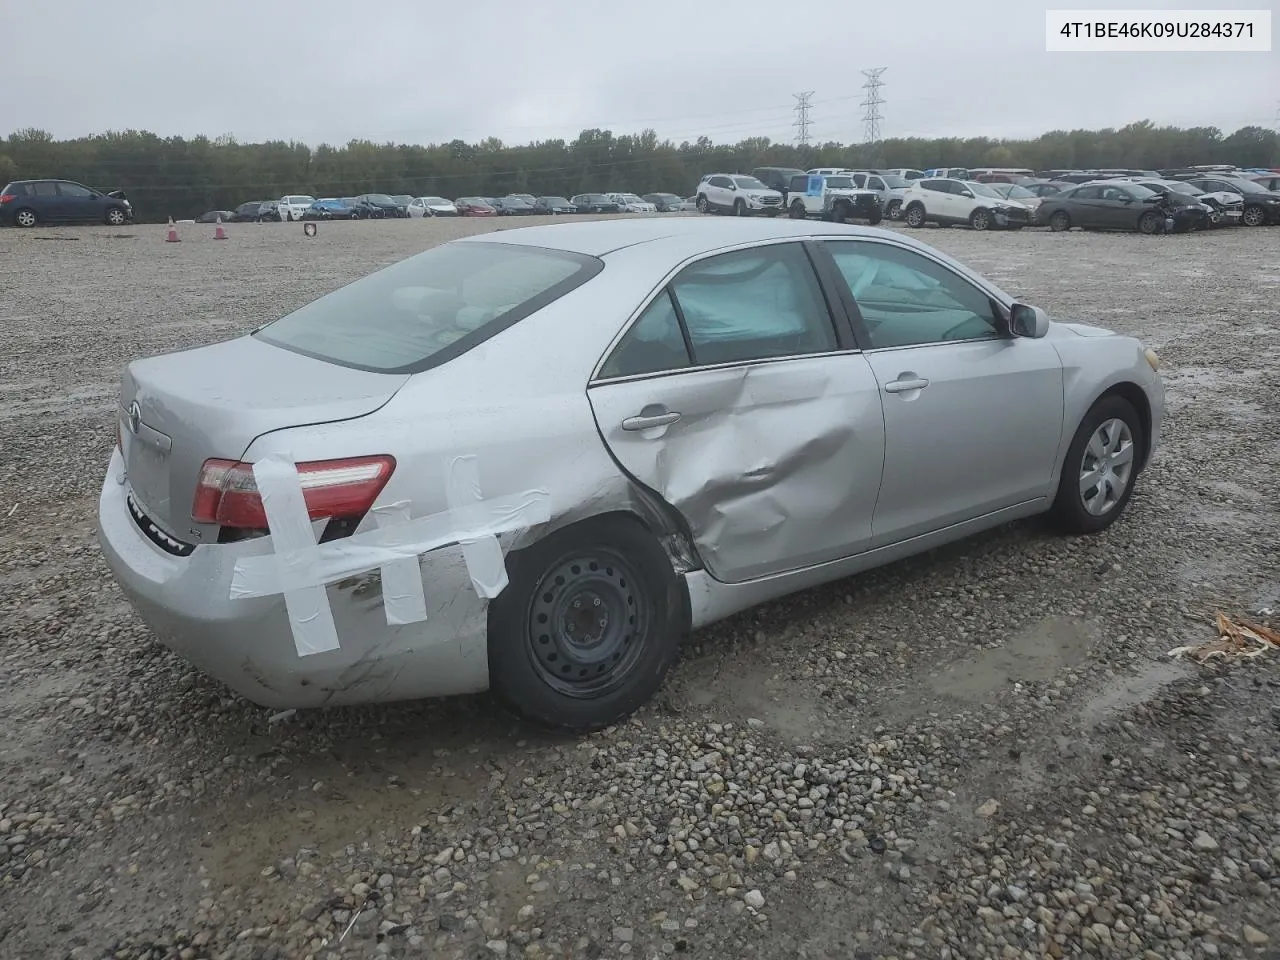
{"type": "Point", "coordinates": [44, 188]}
{"type": "Point", "coordinates": [939, 186]}
{"type": "Point", "coordinates": [653, 344]}
{"type": "Point", "coordinates": [431, 308]}
{"type": "Point", "coordinates": [753, 305]}
{"type": "Point", "coordinates": [16, 190]}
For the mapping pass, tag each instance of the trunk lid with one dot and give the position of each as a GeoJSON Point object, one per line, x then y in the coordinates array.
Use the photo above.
{"type": "Point", "coordinates": [213, 402]}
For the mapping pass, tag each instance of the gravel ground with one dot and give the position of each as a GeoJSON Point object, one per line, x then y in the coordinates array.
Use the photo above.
{"type": "Point", "coordinates": [982, 752]}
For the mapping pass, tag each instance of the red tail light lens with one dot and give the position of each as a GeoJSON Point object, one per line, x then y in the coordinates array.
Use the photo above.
{"type": "Point", "coordinates": [8, 197]}
{"type": "Point", "coordinates": [227, 494]}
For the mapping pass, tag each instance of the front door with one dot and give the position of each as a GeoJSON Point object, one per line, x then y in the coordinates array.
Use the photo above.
{"type": "Point", "coordinates": [734, 398]}
{"type": "Point", "coordinates": [973, 416]}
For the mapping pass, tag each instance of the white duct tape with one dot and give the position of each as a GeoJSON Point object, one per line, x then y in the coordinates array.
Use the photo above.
{"type": "Point", "coordinates": [402, 595]}
{"type": "Point", "coordinates": [307, 604]}
{"type": "Point", "coordinates": [300, 567]}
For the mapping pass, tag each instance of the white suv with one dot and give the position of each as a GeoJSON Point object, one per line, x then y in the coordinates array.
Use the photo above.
{"type": "Point", "coordinates": [737, 194]}
{"type": "Point", "coordinates": [293, 207]}
{"type": "Point", "coordinates": [947, 201]}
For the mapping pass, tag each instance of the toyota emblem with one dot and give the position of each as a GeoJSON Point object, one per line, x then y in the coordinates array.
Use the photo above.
{"type": "Point", "coordinates": [135, 417]}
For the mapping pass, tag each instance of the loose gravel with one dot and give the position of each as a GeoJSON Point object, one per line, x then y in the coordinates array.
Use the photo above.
{"type": "Point", "coordinates": [981, 752]}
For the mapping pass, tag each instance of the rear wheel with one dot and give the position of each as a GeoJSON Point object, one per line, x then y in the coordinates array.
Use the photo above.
{"type": "Point", "coordinates": [915, 215]}
{"type": "Point", "coordinates": [588, 626]}
{"type": "Point", "coordinates": [25, 218]}
{"type": "Point", "coordinates": [1100, 468]}
{"type": "Point", "coordinates": [796, 212]}
{"type": "Point", "coordinates": [702, 205]}
{"type": "Point", "coordinates": [1060, 221]}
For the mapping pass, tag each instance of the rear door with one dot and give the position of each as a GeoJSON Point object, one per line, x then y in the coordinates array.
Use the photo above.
{"type": "Point", "coordinates": [47, 202]}
{"type": "Point", "coordinates": [738, 396]}
{"type": "Point", "coordinates": [972, 416]}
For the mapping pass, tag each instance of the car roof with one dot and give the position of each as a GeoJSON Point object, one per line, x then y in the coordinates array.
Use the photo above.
{"type": "Point", "coordinates": [600, 237]}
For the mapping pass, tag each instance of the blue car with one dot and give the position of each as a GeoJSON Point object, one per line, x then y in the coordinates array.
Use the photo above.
{"type": "Point", "coordinates": [331, 209]}
{"type": "Point", "coordinates": [25, 203]}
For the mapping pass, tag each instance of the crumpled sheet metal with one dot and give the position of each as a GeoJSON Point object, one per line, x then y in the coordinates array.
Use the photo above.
{"type": "Point", "coordinates": [299, 568]}
{"type": "Point", "coordinates": [1236, 638]}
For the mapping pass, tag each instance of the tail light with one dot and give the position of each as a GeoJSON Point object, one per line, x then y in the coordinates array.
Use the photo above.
{"type": "Point", "coordinates": [227, 494]}
{"type": "Point", "coordinates": [8, 197]}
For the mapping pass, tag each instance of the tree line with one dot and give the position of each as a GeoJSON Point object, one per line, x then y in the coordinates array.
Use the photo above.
{"type": "Point", "coordinates": [178, 177]}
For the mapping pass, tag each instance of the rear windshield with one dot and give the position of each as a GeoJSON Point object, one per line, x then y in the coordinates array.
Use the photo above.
{"type": "Point", "coordinates": [430, 308]}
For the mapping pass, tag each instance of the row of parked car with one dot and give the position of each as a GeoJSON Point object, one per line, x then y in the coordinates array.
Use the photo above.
{"type": "Point", "coordinates": [376, 206]}
{"type": "Point", "coordinates": [1147, 201]}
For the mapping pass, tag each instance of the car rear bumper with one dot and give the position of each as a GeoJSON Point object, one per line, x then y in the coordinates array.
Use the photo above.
{"type": "Point", "coordinates": [248, 643]}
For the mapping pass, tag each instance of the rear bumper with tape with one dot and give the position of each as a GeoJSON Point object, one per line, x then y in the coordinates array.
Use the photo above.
{"type": "Point", "coordinates": [248, 643]}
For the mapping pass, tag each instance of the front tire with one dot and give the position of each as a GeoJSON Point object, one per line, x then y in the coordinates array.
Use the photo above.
{"type": "Point", "coordinates": [588, 626]}
{"type": "Point", "coordinates": [1100, 469]}
{"type": "Point", "coordinates": [1253, 216]}
{"type": "Point", "coordinates": [739, 208]}
{"type": "Point", "coordinates": [980, 220]}
{"type": "Point", "coordinates": [116, 217]}
{"type": "Point", "coordinates": [894, 211]}
{"type": "Point", "coordinates": [1150, 222]}
{"type": "Point", "coordinates": [876, 216]}
{"type": "Point", "coordinates": [1060, 222]}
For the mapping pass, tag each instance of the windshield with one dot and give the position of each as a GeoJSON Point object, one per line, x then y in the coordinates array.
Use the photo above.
{"type": "Point", "coordinates": [749, 183]}
{"type": "Point", "coordinates": [1015, 192]}
{"type": "Point", "coordinates": [895, 182]}
{"type": "Point", "coordinates": [379, 198]}
{"type": "Point", "coordinates": [402, 198]}
{"type": "Point", "coordinates": [981, 189]}
{"type": "Point", "coordinates": [1177, 186]}
{"type": "Point", "coordinates": [435, 201]}
{"type": "Point", "coordinates": [1139, 191]}
{"type": "Point", "coordinates": [307, 200]}
{"type": "Point", "coordinates": [431, 307]}
{"type": "Point", "coordinates": [840, 183]}
{"type": "Point", "coordinates": [555, 201]}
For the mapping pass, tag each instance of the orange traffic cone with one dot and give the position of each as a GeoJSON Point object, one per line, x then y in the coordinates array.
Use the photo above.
{"type": "Point", "coordinates": [218, 232]}
{"type": "Point", "coordinates": [173, 233]}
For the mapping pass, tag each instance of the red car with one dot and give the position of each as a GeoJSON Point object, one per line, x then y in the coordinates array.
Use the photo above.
{"type": "Point", "coordinates": [475, 207]}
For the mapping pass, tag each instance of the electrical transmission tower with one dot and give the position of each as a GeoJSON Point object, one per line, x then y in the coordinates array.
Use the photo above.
{"type": "Point", "coordinates": [872, 116]}
{"type": "Point", "coordinates": [803, 104]}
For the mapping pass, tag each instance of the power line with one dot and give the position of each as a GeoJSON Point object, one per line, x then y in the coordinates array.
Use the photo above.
{"type": "Point", "coordinates": [803, 103]}
{"type": "Point", "coordinates": [872, 104]}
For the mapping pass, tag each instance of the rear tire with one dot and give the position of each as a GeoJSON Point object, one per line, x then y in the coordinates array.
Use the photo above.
{"type": "Point", "coordinates": [25, 217]}
{"type": "Point", "coordinates": [588, 626]}
{"type": "Point", "coordinates": [1088, 500]}
{"type": "Point", "coordinates": [915, 215]}
{"type": "Point", "coordinates": [797, 211]}
{"type": "Point", "coordinates": [702, 205]}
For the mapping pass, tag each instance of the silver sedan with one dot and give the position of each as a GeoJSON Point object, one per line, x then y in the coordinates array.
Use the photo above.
{"type": "Point", "coordinates": [533, 461]}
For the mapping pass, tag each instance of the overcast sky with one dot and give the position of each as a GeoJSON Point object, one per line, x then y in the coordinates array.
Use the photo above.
{"type": "Point", "coordinates": [422, 72]}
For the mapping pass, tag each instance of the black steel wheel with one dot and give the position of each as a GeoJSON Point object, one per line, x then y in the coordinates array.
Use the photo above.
{"type": "Point", "coordinates": [583, 623]}
{"type": "Point", "coordinates": [587, 627]}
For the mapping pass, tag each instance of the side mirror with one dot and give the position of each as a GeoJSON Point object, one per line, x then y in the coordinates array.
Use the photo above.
{"type": "Point", "coordinates": [967, 193]}
{"type": "Point", "coordinates": [1028, 321]}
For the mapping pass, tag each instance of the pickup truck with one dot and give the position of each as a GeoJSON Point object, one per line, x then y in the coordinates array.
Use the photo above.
{"type": "Point", "coordinates": [832, 197]}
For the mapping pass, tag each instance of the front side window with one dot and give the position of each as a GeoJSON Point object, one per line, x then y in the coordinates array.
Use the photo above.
{"type": "Point", "coordinates": [907, 299]}
{"type": "Point", "coordinates": [74, 190]}
{"type": "Point", "coordinates": [753, 305]}
{"type": "Point", "coordinates": [430, 308]}
{"type": "Point", "coordinates": [1086, 193]}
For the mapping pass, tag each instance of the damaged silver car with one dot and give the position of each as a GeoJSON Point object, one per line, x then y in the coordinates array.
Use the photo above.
{"type": "Point", "coordinates": [708, 414]}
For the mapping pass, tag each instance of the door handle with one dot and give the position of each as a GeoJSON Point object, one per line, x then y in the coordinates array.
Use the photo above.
{"type": "Point", "coordinates": [903, 385]}
{"type": "Point", "coordinates": [648, 421]}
